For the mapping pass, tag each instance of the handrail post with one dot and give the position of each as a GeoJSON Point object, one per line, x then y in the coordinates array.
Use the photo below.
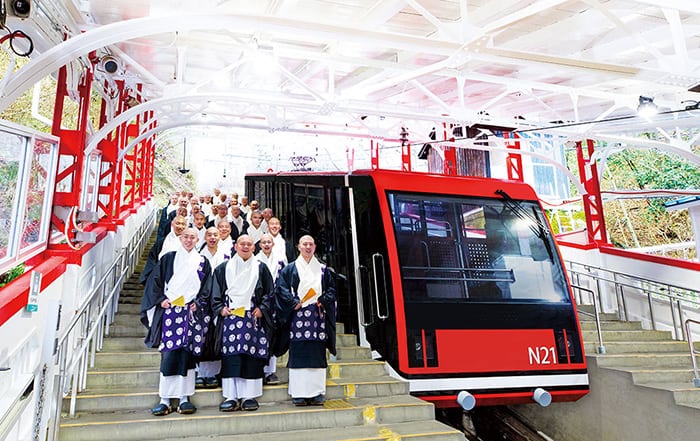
{"type": "Point", "coordinates": [673, 318]}
{"type": "Point", "coordinates": [693, 352]}
{"type": "Point", "coordinates": [596, 315]}
{"type": "Point", "coordinates": [601, 346]}
{"type": "Point", "coordinates": [650, 301]}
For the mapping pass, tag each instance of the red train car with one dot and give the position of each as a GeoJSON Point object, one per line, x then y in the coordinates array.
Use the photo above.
{"type": "Point", "coordinates": [456, 282]}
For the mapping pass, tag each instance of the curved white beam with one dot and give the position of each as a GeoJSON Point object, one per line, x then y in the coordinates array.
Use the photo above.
{"type": "Point", "coordinates": [636, 143]}
{"type": "Point", "coordinates": [159, 103]}
{"type": "Point", "coordinates": [472, 144]}
{"type": "Point", "coordinates": [116, 32]}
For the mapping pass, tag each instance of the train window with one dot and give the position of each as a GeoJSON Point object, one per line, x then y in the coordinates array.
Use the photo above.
{"type": "Point", "coordinates": [475, 249]}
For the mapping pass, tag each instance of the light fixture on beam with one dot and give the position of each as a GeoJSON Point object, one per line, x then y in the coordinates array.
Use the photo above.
{"type": "Point", "coordinates": [647, 108]}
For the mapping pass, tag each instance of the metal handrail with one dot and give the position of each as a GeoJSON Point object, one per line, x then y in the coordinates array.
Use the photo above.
{"type": "Point", "coordinates": [693, 351]}
{"type": "Point", "coordinates": [94, 317]}
{"type": "Point", "coordinates": [661, 286]}
{"type": "Point", "coordinates": [651, 288]}
{"type": "Point", "coordinates": [596, 316]}
{"type": "Point", "coordinates": [657, 293]}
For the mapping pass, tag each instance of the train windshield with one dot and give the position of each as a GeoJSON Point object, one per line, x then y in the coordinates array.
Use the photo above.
{"type": "Point", "coordinates": [475, 249]}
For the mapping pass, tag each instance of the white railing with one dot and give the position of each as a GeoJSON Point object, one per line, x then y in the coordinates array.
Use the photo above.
{"type": "Point", "coordinates": [687, 249]}
{"type": "Point", "coordinates": [83, 337]}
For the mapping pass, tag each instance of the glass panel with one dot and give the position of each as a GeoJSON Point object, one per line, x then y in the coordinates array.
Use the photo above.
{"type": "Point", "coordinates": [300, 211]}
{"type": "Point", "coordinates": [91, 182]}
{"type": "Point", "coordinates": [316, 215]}
{"type": "Point", "coordinates": [34, 228]}
{"type": "Point", "coordinates": [11, 159]}
{"type": "Point", "coordinates": [475, 249]}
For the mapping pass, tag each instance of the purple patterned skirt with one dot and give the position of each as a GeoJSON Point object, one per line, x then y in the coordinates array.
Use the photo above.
{"type": "Point", "coordinates": [308, 324]}
{"type": "Point", "coordinates": [182, 329]}
{"type": "Point", "coordinates": [244, 335]}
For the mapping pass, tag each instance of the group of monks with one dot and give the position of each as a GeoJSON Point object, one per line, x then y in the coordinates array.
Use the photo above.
{"type": "Point", "coordinates": [224, 295]}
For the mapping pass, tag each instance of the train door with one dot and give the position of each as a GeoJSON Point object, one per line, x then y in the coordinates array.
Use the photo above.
{"type": "Point", "coordinates": [374, 290]}
{"type": "Point", "coordinates": [322, 210]}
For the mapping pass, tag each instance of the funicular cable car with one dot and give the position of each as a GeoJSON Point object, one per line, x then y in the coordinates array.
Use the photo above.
{"type": "Point", "coordinates": [456, 282]}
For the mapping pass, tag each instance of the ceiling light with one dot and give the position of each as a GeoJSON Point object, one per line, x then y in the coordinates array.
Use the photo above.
{"type": "Point", "coordinates": [647, 108]}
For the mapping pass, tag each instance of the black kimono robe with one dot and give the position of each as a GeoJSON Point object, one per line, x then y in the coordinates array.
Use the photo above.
{"type": "Point", "coordinates": [242, 365]}
{"type": "Point", "coordinates": [179, 361]}
{"type": "Point", "coordinates": [309, 354]}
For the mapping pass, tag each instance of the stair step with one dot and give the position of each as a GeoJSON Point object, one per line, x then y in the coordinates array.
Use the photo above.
{"type": "Point", "coordinates": [585, 315]}
{"type": "Point", "coordinates": [134, 300]}
{"type": "Point", "coordinates": [135, 343]}
{"type": "Point", "coordinates": [123, 378]}
{"type": "Point", "coordinates": [611, 325]}
{"type": "Point", "coordinates": [127, 319]}
{"type": "Point", "coordinates": [274, 417]}
{"type": "Point", "coordinates": [636, 336]}
{"type": "Point", "coordinates": [684, 392]}
{"type": "Point", "coordinates": [415, 431]}
{"type": "Point", "coordinates": [129, 293]}
{"type": "Point", "coordinates": [128, 309]}
{"type": "Point", "coordinates": [353, 353]}
{"type": "Point", "coordinates": [144, 357]}
{"type": "Point", "coordinates": [132, 330]}
{"type": "Point", "coordinates": [124, 399]}
{"type": "Point", "coordinates": [113, 344]}
{"type": "Point", "coordinates": [627, 347]}
{"type": "Point", "coordinates": [642, 376]}
{"type": "Point", "coordinates": [651, 360]}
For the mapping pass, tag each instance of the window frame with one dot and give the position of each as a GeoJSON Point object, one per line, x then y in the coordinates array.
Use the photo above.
{"type": "Point", "coordinates": [16, 253]}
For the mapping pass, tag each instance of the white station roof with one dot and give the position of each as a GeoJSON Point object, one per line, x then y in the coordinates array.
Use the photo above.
{"type": "Point", "coordinates": [371, 66]}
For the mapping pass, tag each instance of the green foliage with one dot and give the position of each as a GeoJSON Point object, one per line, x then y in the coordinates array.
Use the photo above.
{"type": "Point", "coordinates": [651, 169]}
{"type": "Point", "coordinates": [648, 219]}
{"type": "Point", "coordinates": [11, 275]}
{"type": "Point", "coordinates": [563, 221]}
{"type": "Point", "coordinates": [20, 112]}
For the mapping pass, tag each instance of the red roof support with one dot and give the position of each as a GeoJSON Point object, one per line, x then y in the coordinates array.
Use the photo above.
{"type": "Point", "coordinates": [592, 201]}
{"type": "Point", "coordinates": [514, 161]}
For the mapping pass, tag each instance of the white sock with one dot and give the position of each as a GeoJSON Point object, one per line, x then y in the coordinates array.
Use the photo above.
{"type": "Point", "coordinates": [165, 401]}
{"type": "Point", "coordinates": [184, 399]}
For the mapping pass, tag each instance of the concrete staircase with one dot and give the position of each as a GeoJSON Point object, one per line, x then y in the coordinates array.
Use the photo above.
{"type": "Point", "coordinates": [651, 359]}
{"type": "Point", "coordinates": [641, 389]}
{"type": "Point", "coordinates": [363, 401]}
